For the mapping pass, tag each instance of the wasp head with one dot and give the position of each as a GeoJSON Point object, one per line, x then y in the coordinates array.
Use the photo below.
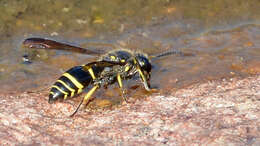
{"type": "Point", "coordinates": [144, 63]}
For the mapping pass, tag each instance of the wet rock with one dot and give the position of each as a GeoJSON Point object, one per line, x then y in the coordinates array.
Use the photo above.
{"type": "Point", "coordinates": [216, 112]}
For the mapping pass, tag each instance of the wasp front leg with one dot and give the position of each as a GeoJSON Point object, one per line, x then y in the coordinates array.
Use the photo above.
{"type": "Point", "coordinates": [123, 91]}
{"type": "Point", "coordinates": [144, 80]}
{"type": "Point", "coordinates": [144, 77]}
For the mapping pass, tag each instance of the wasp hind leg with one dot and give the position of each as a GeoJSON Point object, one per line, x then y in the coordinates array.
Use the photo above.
{"type": "Point", "coordinates": [123, 91]}
{"type": "Point", "coordinates": [85, 101]}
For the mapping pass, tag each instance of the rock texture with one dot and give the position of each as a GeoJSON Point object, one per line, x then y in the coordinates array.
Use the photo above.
{"type": "Point", "coordinates": [225, 112]}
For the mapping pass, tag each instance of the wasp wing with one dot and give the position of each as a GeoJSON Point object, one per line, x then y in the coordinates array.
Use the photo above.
{"type": "Point", "coordinates": [102, 64]}
{"type": "Point", "coordinates": [43, 43]}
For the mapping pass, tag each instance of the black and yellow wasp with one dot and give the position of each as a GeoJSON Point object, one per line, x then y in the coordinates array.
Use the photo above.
{"type": "Point", "coordinates": [113, 66]}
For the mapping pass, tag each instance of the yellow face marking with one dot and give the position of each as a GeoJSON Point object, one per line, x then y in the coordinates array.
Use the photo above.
{"type": "Point", "coordinates": [141, 63]}
{"type": "Point", "coordinates": [90, 70]}
{"type": "Point", "coordinates": [119, 80]}
{"type": "Point", "coordinates": [113, 57]}
{"type": "Point", "coordinates": [68, 87]}
{"type": "Point", "coordinates": [123, 60]}
{"type": "Point", "coordinates": [89, 94]}
{"type": "Point", "coordinates": [74, 81]}
{"type": "Point", "coordinates": [64, 92]}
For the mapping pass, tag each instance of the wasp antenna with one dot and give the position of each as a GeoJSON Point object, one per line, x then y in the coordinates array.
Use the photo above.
{"type": "Point", "coordinates": [171, 52]}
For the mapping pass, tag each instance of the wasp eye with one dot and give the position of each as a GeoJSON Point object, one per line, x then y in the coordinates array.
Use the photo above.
{"type": "Point", "coordinates": [144, 63]}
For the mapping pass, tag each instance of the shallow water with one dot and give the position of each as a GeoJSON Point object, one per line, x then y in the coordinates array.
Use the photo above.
{"type": "Point", "coordinates": [222, 36]}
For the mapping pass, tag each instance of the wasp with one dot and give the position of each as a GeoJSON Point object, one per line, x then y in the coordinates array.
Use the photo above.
{"type": "Point", "coordinates": [112, 67]}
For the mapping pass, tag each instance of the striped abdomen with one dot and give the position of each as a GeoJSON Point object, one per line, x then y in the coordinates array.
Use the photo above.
{"type": "Point", "coordinates": [72, 82]}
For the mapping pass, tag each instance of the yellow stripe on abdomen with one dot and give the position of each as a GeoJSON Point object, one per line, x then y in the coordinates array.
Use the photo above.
{"type": "Point", "coordinates": [74, 81]}
{"type": "Point", "coordinates": [65, 93]}
{"type": "Point", "coordinates": [68, 87]}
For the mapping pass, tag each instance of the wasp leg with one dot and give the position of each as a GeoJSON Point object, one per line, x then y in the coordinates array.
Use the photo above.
{"type": "Point", "coordinates": [119, 80]}
{"type": "Point", "coordinates": [146, 84]}
{"type": "Point", "coordinates": [85, 100]}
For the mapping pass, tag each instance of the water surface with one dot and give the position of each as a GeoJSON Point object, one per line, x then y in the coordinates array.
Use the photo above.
{"type": "Point", "coordinates": [222, 35]}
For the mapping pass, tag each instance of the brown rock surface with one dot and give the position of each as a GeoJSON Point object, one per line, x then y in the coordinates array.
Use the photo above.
{"type": "Point", "coordinates": [217, 113]}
